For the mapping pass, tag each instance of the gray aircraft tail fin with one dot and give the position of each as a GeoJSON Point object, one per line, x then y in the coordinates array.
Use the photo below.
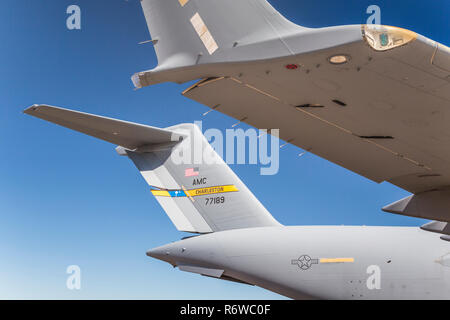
{"type": "Point", "coordinates": [187, 31]}
{"type": "Point", "coordinates": [195, 187]}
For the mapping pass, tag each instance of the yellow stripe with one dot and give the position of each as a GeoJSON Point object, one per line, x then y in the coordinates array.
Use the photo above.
{"type": "Point", "coordinates": [337, 260]}
{"type": "Point", "coordinates": [160, 193]}
{"type": "Point", "coordinates": [211, 190]}
{"type": "Point", "coordinates": [187, 193]}
{"type": "Point", "coordinates": [198, 192]}
{"type": "Point", "coordinates": [183, 2]}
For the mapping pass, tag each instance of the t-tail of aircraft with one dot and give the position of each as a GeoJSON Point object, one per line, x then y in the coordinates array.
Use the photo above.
{"type": "Point", "coordinates": [195, 187]}
{"type": "Point", "coordinates": [194, 37]}
{"type": "Point", "coordinates": [183, 30]}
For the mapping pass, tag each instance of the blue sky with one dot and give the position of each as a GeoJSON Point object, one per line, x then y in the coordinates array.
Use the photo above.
{"type": "Point", "coordinates": [68, 199]}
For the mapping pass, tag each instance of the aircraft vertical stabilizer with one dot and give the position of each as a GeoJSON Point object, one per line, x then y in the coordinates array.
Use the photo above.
{"type": "Point", "coordinates": [196, 188]}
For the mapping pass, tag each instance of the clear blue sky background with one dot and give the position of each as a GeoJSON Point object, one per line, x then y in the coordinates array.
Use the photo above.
{"type": "Point", "coordinates": [66, 198]}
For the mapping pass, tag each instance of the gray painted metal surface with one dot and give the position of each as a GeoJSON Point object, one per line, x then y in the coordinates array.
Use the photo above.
{"type": "Point", "coordinates": [382, 114]}
{"type": "Point", "coordinates": [198, 196]}
{"type": "Point", "coordinates": [245, 244]}
{"type": "Point", "coordinates": [387, 103]}
{"type": "Point", "coordinates": [413, 264]}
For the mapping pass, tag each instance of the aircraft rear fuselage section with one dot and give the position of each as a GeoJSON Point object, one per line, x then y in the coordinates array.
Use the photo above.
{"type": "Point", "coordinates": [324, 262]}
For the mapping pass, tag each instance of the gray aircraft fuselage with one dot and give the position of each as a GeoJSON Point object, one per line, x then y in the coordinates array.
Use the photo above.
{"type": "Point", "coordinates": [324, 262]}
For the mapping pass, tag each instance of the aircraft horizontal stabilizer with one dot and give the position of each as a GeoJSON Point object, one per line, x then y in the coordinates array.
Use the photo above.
{"type": "Point", "coordinates": [122, 133]}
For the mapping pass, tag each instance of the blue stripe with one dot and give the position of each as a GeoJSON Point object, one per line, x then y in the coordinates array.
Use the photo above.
{"type": "Point", "coordinates": [177, 194]}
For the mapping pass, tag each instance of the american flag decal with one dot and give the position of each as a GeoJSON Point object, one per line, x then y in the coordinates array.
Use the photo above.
{"type": "Point", "coordinates": [191, 172]}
